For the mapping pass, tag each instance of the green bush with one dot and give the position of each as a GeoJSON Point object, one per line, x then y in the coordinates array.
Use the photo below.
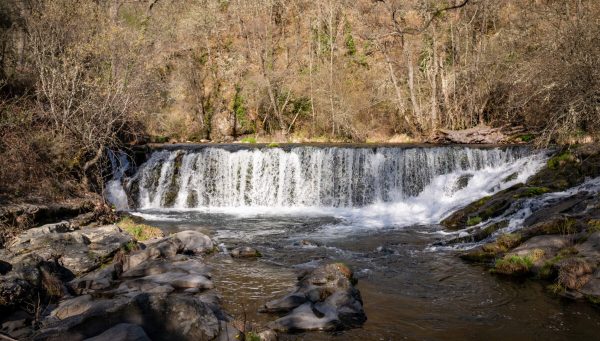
{"type": "Point", "coordinates": [249, 139]}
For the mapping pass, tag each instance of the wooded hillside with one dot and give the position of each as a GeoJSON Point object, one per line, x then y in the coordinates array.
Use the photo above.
{"type": "Point", "coordinates": [80, 76]}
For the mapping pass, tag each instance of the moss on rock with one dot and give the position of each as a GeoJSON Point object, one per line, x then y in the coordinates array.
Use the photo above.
{"type": "Point", "coordinates": [140, 232]}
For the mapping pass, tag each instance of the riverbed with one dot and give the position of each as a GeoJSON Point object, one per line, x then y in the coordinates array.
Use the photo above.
{"type": "Point", "coordinates": [410, 290]}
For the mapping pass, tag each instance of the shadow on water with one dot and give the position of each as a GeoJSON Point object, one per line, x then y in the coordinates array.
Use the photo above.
{"type": "Point", "coordinates": [409, 292]}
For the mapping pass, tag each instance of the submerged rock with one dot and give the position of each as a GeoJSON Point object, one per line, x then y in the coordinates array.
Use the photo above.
{"type": "Point", "coordinates": [245, 252]}
{"type": "Point", "coordinates": [325, 299]}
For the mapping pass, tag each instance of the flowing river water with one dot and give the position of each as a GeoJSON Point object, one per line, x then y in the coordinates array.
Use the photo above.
{"type": "Point", "coordinates": [376, 209]}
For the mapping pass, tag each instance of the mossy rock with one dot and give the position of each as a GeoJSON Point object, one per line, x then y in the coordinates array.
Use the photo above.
{"type": "Point", "coordinates": [490, 251]}
{"type": "Point", "coordinates": [549, 270]}
{"type": "Point", "coordinates": [568, 168]}
{"type": "Point", "coordinates": [511, 177]}
{"type": "Point", "coordinates": [484, 208]}
{"type": "Point", "coordinates": [478, 234]}
{"type": "Point", "coordinates": [554, 225]}
{"type": "Point", "coordinates": [513, 265]}
{"type": "Point", "coordinates": [531, 191]}
{"type": "Point", "coordinates": [473, 220]}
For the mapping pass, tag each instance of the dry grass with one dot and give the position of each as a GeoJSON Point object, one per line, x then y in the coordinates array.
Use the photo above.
{"type": "Point", "coordinates": [574, 273]}
{"type": "Point", "coordinates": [140, 232]}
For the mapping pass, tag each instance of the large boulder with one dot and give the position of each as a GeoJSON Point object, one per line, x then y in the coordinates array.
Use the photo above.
{"type": "Point", "coordinates": [177, 316]}
{"type": "Point", "coordinates": [325, 299]}
{"type": "Point", "coordinates": [194, 242]}
{"type": "Point", "coordinates": [80, 251]}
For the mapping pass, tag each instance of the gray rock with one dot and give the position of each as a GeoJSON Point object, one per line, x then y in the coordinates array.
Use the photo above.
{"type": "Point", "coordinates": [179, 317]}
{"type": "Point", "coordinates": [591, 247]}
{"type": "Point", "coordinates": [325, 299]}
{"type": "Point", "coordinates": [285, 303]}
{"type": "Point", "coordinates": [162, 248]}
{"type": "Point", "coordinates": [14, 290]}
{"type": "Point", "coordinates": [122, 332]}
{"type": "Point", "coordinates": [245, 252]}
{"type": "Point", "coordinates": [79, 251]}
{"type": "Point", "coordinates": [18, 325]}
{"type": "Point", "coordinates": [180, 280]}
{"type": "Point", "coordinates": [73, 307]}
{"type": "Point", "coordinates": [93, 281]}
{"type": "Point", "coordinates": [550, 244]}
{"type": "Point", "coordinates": [267, 335]}
{"type": "Point", "coordinates": [194, 242]}
{"type": "Point", "coordinates": [160, 266]}
{"type": "Point", "coordinates": [34, 233]}
{"type": "Point", "coordinates": [229, 332]}
{"type": "Point", "coordinates": [592, 288]}
{"type": "Point", "coordinates": [304, 318]}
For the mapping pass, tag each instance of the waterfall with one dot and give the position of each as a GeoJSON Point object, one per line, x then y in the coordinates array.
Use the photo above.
{"type": "Point", "coordinates": [327, 177]}
{"type": "Point", "coordinates": [114, 192]}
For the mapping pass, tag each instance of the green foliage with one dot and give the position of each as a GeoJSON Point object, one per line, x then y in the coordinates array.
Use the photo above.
{"type": "Point", "coordinates": [140, 232]}
{"type": "Point", "coordinates": [593, 225]}
{"type": "Point", "coordinates": [532, 192]}
{"type": "Point", "coordinates": [513, 265]}
{"type": "Point", "coordinates": [249, 139]}
{"type": "Point", "coordinates": [508, 241]}
{"type": "Point", "coordinates": [159, 139]}
{"type": "Point", "coordinates": [130, 246]}
{"type": "Point", "coordinates": [133, 19]}
{"type": "Point", "coordinates": [273, 145]}
{"type": "Point", "coordinates": [350, 45]}
{"type": "Point", "coordinates": [482, 201]}
{"type": "Point", "coordinates": [527, 137]}
{"type": "Point", "coordinates": [559, 160]}
{"type": "Point", "coordinates": [300, 105]}
{"type": "Point", "coordinates": [556, 289]}
{"type": "Point", "coordinates": [567, 226]}
{"type": "Point", "coordinates": [251, 336]}
{"type": "Point", "coordinates": [593, 299]}
{"type": "Point", "coordinates": [240, 111]}
{"type": "Point", "coordinates": [511, 177]}
{"type": "Point", "coordinates": [474, 221]}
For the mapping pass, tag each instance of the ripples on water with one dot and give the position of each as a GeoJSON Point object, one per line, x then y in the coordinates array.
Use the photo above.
{"type": "Point", "coordinates": [373, 208]}
{"type": "Point", "coordinates": [409, 292]}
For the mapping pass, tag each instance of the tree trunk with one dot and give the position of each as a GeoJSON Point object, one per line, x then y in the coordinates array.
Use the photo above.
{"type": "Point", "coordinates": [85, 181]}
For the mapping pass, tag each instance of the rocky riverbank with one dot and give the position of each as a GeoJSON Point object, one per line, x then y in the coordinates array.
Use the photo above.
{"type": "Point", "coordinates": [558, 238]}
{"type": "Point", "coordinates": [62, 281]}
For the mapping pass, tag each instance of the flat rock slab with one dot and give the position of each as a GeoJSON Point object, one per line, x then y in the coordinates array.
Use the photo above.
{"type": "Point", "coordinates": [591, 247]}
{"type": "Point", "coordinates": [122, 332]}
{"type": "Point", "coordinates": [550, 244]}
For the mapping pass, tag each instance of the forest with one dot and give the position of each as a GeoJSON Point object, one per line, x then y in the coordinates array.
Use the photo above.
{"type": "Point", "coordinates": [79, 77]}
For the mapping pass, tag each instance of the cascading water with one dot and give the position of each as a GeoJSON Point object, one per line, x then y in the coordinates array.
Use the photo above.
{"type": "Point", "coordinates": [380, 186]}
{"type": "Point", "coordinates": [115, 193]}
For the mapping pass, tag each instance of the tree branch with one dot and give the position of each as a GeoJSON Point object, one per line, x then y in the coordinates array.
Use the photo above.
{"type": "Point", "coordinates": [414, 31]}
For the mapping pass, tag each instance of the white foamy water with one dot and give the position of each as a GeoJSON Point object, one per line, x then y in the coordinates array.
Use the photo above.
{"type": "Point", "coordinates": [364, 187]}
{"type": "Point", "coordinates": [114, 192]}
